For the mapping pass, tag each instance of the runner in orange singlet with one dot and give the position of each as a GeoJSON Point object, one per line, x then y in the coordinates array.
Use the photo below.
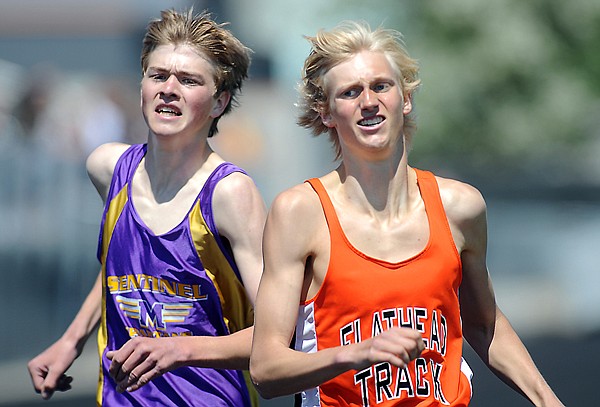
{"type": "Point", "coordinates": [377, 270]}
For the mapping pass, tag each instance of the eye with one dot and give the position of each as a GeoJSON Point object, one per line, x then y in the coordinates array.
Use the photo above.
{"type": "Point", "coordinates": [350, 93]}
{"type": "Point", "coordinates": [189, 81]}
{"type": "Point", "coordinates": [381, 87]}
{"type": "Point", "coordinates": [158, 77]}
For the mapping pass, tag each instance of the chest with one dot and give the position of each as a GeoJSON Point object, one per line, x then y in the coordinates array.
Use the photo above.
{"type": "Point", "coordinates": [421, 273]}
{"type": "Point", "coordinates": [393, 240]}
{"type": "Point", "coordinates": [162, 212]}
{"type": "Point", "coordinates": [409, 255]}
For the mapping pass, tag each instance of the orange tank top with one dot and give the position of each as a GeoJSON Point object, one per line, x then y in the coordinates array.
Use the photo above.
{"type": "Point", "coordinates": [362, 296]}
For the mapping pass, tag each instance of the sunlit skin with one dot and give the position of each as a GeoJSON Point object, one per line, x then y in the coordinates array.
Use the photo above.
{"type": "Point", "coordinates": [377, 199]}
{"type": "Point", "coordinates": [178, 92]}
{"type": "Point", "coordinates": [180, 102]}
{"type": "Point", "coordinates": [367, 104]}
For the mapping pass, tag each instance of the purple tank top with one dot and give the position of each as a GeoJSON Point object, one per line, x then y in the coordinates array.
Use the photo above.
{"type": "Point", "coordinates": [181, 283]}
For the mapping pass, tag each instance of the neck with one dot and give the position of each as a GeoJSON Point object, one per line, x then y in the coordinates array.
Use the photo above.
{"type": "Point", "coordinates": [170, 166]}
{"type": "Point", "coordinates": [376, 186]}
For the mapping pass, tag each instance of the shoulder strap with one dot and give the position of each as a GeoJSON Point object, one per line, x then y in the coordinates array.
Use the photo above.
{"type": "Point", "coordinates": [122, 174]}
{"type": "Point", "coordinates": [438, 221]}
{"type": "Point", "coordinates": [206, 208]}
{"type": "Point", "coordinates": [208, 189]}
{"type": "Point", "coordinates": [330, 215]}
{"type": "Point", "coordinates": [125, 168]}
{"type": "Point", "coordinates": [430, 193]}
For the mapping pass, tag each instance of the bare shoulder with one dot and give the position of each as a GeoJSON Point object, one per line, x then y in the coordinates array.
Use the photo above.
{"type": "Point", "coordinates": [297, 214]}
{"type": "Point", "coordinates": [105, 157]}
{"type": "Point", "coordinates": [463, 202]}
{"type": "Point", "coordinates": [298, 202]}
{"type": "Point", "coordinates": [236, 184]}
{"type": "Point", "coordinates": [238, 207]}
{"type": "Point", "coordinates": [466, 212]}
{"type": "Point", "coordinates": [101, 163]}
{"type": "Point", "coordinates": [237, 192]}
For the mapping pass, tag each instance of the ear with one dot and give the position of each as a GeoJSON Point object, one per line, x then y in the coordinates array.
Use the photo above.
{"type": "Point", "coordinates": [327, 119]}
{"type": "Point", "coordinates": [407, 104]}
{"type": "Point", "coordinates": [220, 104]}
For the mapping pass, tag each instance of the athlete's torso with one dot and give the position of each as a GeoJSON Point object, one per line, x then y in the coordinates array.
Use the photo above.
{"type": "Point", "coordinates": [183, 282]}
{"type": "Point", "coordinates": [361, 296]}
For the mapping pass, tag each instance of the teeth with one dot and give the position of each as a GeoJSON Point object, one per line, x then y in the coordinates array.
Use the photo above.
{"type": "Point", "coordinates": [371, 121]}
{"type": "Point", "coordinates": [168, 110]}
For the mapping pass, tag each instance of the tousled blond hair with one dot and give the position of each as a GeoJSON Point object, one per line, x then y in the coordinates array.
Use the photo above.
{"type": "Point", "coordinates": [329, 48]}
{"type": "Point", "coordinates": [230, 58]}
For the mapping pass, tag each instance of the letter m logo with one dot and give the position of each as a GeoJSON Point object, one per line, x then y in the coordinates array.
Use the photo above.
{"type": "Point", "coordinates": [156, 315]}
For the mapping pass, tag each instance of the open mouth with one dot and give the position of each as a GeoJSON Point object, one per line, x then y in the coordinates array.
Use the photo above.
{"type": "Point", "coordinates": [371, 121]}
{"type": "Point", "coordinates": [167, 111]}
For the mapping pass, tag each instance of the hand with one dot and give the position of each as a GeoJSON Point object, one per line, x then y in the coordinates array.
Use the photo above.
{"type": "Point", "coordinates": [47, 370]}
{"type": "Point", "coordinates": [398, 346]}
{"type": "Point", "coordinates": [141, 360]}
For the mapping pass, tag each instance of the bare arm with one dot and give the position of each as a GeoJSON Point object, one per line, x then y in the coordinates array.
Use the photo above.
{"type": "Point", "coordinates": [143, 359]}
{"type": "Point", "coordinates": [47, 370]}
{"type": "Point", "coordinates": [101, 164]}
{"type": "Point", "coordinates": [485, 327]}
{"type": "Point", "coordinates": [292, 236]}
{"type": "Point", "coordinates": [240, 218]}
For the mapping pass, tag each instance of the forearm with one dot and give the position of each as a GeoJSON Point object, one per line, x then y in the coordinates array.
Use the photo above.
{"type": "Point", "coordinates": [277, 370]}
{"type": "Point", "coordinates": [87, 317]}
{"type": "Point", "coordinates": [143, 359]}
{"type": "Point", "coordinates": [219, 352]}
{"type": "Point", "coordinates": [508, 358]}
{"type": "Point", "coordinates": [47, 370]}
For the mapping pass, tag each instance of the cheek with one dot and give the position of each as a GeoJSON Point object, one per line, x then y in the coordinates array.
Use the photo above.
{"type": "Point", "coordinates": [200, 108]}
{"type": "Point", "coordinates": [144, 103]}
{"type": "Point", "coordinates": [343, 115]}
{"type": "Point", "coordinates": [202, 104]}
{"type": "Point", "coordinates": [145, 95]}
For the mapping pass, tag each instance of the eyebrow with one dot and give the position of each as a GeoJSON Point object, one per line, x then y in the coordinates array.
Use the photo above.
{"type": "Point", "coordinates": [177, 72]}
{"type": "Point", "coordinates": [372, 81]}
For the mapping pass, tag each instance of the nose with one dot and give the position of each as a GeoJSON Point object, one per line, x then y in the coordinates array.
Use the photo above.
{"type": "Point", "coordinates": [368, 99]}
{"type": "Point", "coordinates": [170, 86]}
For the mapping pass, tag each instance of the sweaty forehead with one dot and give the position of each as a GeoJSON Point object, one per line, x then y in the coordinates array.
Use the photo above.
{"type": "Point", "coordinates": [180, 58]}
{"type": "Point", "coordinates": [364, 67]}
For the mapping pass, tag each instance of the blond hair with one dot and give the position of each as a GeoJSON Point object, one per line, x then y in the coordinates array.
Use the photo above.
{"type": "Point", "coordinates": [329, 48]}
{"type": "Point", "coordinates": [229, 56]}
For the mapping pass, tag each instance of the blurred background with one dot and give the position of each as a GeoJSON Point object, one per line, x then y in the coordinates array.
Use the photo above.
{"type": "Point", "coordinates": [510, 103]}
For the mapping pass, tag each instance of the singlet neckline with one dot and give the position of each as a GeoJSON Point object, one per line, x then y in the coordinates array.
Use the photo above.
{"type": "Point", "coordinates": [336, 224]}
{"type": "Point", "coordinates": [138, 218]}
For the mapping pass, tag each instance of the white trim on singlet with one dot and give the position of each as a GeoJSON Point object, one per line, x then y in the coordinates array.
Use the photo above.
{"type": "Point", "coordinates": [306, 341]}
